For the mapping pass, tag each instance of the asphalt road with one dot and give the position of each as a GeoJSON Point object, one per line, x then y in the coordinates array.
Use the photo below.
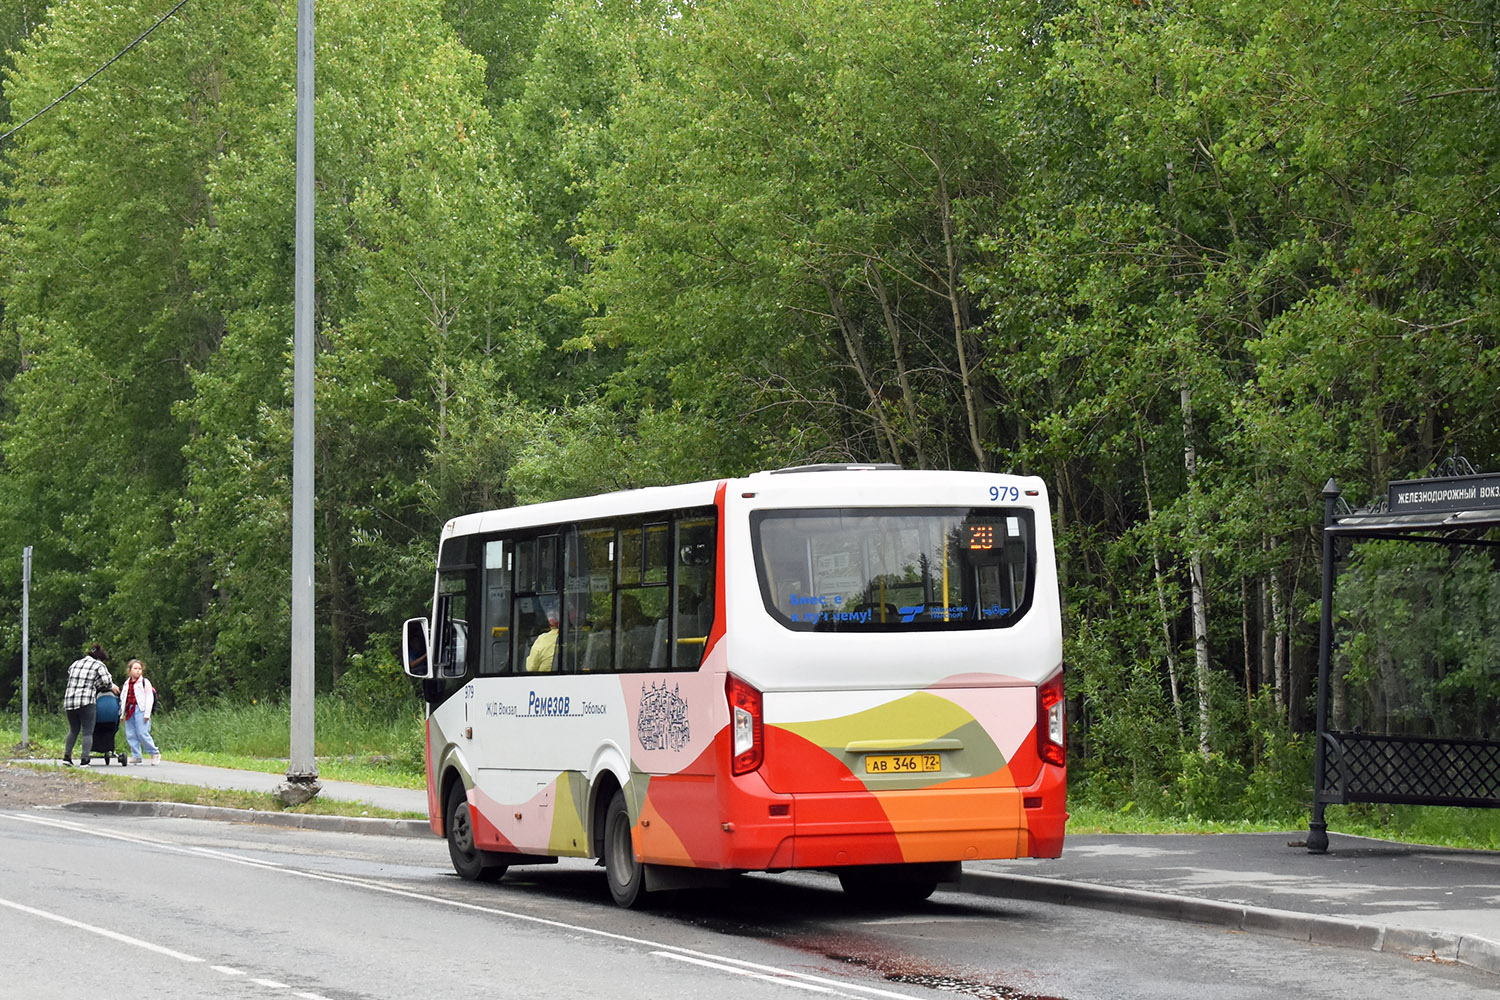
{"type": "Point", "coordinates": [98, 906]}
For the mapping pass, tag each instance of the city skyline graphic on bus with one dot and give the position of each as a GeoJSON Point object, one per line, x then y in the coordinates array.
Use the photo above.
{"type": "Point", "coordinates": [663, 720]}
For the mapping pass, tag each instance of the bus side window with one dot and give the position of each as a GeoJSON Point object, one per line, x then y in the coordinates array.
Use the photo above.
{"type": "Point", "coordinates": [588, 610]}
{"type": "Point", "coordinates": [598, 614]}
{"type": "Point", "coordinates": [495, 651]}
{"type": "Point", "coordinates": [643, 610]}
{"type": "Point", "coordinates": [574, 626]}
{"type": "Point", "coordinates": [641, 633]}
{"type": "Point", "coordinates": [693, 605]}
{"type": "Point", "coordinates": [537, 604]}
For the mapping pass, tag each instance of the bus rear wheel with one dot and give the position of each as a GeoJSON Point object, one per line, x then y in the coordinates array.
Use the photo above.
{"type": "Point", "coordinates": [470, 862]}
{"type": "Point", "coordinates": [626, 875]}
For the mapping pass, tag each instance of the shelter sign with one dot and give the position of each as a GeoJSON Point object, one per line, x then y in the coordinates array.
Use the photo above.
{"type": "Point", "coordinates": [1418, 496]}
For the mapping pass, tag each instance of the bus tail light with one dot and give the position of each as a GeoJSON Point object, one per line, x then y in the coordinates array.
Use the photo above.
{"type": "Point", "coordinates": [1051, 739]}
{"type": "Point", "coordinates": [749, 747]}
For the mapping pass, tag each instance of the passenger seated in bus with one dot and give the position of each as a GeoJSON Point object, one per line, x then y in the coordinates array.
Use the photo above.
{"type": "Point", "coordinates": [539, 660]}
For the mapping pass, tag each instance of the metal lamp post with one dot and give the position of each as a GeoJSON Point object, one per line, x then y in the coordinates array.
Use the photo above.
{"type": "Point", "coordinates": [302, 769]}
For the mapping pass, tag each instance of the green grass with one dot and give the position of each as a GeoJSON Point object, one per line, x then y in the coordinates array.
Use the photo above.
{"type": "Point", "coordinates": [1095, 819]}
{"type": "Point", "coordinates": [376, 770]}
{"type": "Point", "coordinates": [1440, 826]}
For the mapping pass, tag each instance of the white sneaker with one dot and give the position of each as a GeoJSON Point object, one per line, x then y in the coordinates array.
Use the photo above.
{"type": "Point", "coordinates": [155, 759]}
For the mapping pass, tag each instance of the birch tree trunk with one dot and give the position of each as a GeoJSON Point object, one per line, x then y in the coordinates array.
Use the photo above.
{"type": "Point", "coordinates": [1267, 628]}
{"type": "Point", "coordinates": [960, 325]}
{"type": "Point", "coordinates": [1195, 569]}
{"type": "Point", "coordinates": [877, 288]}
{"type": "Point", "coordinates": [862, 367]}
{"type": "Point", "coordinates": [1245, 640]}
{"type": "Point", "coordinates": [1278, 646]}
{"type": "Point", "coordinates": [1161, 596]}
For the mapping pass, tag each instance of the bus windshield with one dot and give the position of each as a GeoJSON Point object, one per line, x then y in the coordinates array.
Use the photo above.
{"type": "Point", "coordinates": [895, 570]}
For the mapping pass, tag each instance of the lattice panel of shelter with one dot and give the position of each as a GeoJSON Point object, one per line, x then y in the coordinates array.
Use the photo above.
{"type": "Point", "coordinates": [1412, 770]}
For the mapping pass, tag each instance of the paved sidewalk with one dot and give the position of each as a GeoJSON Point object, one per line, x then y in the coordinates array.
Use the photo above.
{"type": "Point", "coordinates": [412, 800]}
{"type": "Point", "coordinates": [1432, 902]}
{"type": "Point", "coordinates": [1428, 901]}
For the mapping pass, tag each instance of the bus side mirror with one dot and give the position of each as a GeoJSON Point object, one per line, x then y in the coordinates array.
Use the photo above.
{"type": "Point", "coordinates": [414, 648]}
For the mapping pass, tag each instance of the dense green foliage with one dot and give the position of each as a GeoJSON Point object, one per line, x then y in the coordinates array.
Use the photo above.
{"type": "Point", "coordinates": [1185, 261]}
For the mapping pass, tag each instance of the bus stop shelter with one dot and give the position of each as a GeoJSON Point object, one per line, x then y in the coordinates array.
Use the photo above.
{"type": "Point", "coordinates": [1357, 766]}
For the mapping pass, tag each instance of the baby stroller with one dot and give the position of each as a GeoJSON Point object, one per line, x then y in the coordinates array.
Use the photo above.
{"type": "Point", "coordinates": [106, 724]}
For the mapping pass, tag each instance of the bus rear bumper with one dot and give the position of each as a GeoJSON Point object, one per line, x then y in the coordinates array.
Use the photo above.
{"type": "Point", "coordinates": [832, 830]}
{"type": "Point", "coordinates": [905, 827]}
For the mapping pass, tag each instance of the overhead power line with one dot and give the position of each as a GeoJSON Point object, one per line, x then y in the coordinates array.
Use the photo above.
{"type": "Point", "coordinates": [79, 85]}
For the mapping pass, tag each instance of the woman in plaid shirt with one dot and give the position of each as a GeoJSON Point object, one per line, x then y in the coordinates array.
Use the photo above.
{"type": "Point", "coordinates": [86, 678]}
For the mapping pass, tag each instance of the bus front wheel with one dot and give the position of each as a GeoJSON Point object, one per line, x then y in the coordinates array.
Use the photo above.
{"type": "Point", "coordinates": [470, 862]}
{"type": "Point", "coordinates": [627, 878]}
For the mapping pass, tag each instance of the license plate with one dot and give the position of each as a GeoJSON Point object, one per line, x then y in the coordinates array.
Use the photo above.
{"type": "Point", "coordinates": [902, 763]}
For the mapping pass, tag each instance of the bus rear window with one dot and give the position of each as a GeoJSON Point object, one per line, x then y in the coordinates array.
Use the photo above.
{"type": "Point", "coordinates": [895, 570]}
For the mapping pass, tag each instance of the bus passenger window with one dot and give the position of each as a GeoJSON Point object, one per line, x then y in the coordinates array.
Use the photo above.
{"type": "Point", "coordinates": [574, 624]}
{"type": "Point", "coordinates": [526, 564]}
{"type": "Point", "coordinates": [643, 555]}
{"type": "Point", "coordinates": [495, 655]}
{"type": "Point", "coordinates": [694, 601]}
{"type": "Point", "coordinates": [546, 563]}
{"type": "Point", "coordinates": [643, 605]}
{"type": "Point", "coordinates": [641, 631]}
{"type": "Point", "coordinates": [657, 558]}
{"type": "Point", "coordinates": [595, 594]}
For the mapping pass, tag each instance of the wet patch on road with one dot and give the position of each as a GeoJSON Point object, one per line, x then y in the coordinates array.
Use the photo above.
{"type": "Point", "coordinates": [911, 972]}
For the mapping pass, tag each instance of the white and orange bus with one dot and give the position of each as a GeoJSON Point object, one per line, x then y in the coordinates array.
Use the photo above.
{"type": "Point", "coordinates": [850, 668]}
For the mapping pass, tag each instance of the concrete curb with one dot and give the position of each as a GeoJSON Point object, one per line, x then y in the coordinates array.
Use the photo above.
{"type": "Point", "coordinates": [1480, 953]}
{"type": "Point", "coordinates": [299, 821]}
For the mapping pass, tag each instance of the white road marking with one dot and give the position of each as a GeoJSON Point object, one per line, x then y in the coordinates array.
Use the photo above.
{"type": "Point", "coordinates": [112, 935]}
{"type": "Point", "coordinates": [134, 839]}
{"type": "Point", "coordinates": [742, 972]}
{"type": "Point", "coordinates": [780, 974]}
{"type": "Point", "coordinates": [157, 948]}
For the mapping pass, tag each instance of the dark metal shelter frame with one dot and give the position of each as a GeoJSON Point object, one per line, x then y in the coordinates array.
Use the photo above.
{"type": "Point", "coordinates": [1455, 509]}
